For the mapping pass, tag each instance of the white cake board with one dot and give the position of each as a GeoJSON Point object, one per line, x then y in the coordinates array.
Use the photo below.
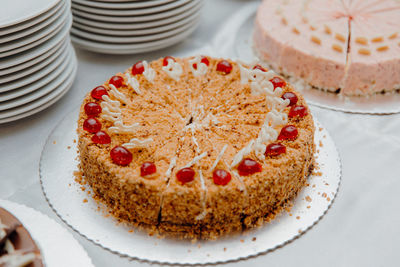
{"type": "Point", "coordinates": [56, 244]}
{"type": "Point", "coordinates": [59, 161]}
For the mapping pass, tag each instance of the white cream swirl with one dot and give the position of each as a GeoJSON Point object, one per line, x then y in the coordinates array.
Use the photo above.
{"type": "Point", "coordinates": [173, 69]}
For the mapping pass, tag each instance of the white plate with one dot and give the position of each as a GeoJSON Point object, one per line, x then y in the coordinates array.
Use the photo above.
{"type": "Point", "coordinates": [130, 49]}
{"type": "Point", "coordinates": [134, 19]}
{"type": "Point", "coordinates": [377, 104]}
{"type": "Point", "coordinates": [139, 32]}
{"type": "Point", "coordinates": [31, 22]}
{"type": "Point", "coordinates": [34, 52]}
{"type": "Point", "coordinates": [57, 245]}
{"type": "Point", "coordinates": [130, 12]}
{"type": "Point", "coordinates": [34, 68]}
{"type": "Point", "coordinates": [57, 71]}
{"type": "Point", "coordinates": [134, 39]}
{"type": "Point", "coordinates": [35, 110]}
{"type": "Point", "coordinates": [17, 46]}
{"type": "Point", "coordinates": [118, 4]}
{"type": "Point", "coordinates": [32, 61]}
{"type": "Point", "coordinates": [38, 77]}
{"type": "Point", "coordinates": [58, 164]}
{"type": "Point", "coordinates": [59, 10]}
{"type": "Point", "coordinates": [17, 11]}
{"type": "Point", "coordinates": [61, 90]}
{"type": "Point", "coordinates": [137, 26]}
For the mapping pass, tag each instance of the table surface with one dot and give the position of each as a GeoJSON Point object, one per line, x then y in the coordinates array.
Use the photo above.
{"type": "Point", "coordinates": [360, 229]}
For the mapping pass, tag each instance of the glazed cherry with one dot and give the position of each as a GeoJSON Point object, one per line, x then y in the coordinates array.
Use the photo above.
{"type": "Point", "coordinates": [165, 60]}
{"type": "Point", "coordinates": [289, 132]}
{"type": "Point", "coordinates": [298, 111]}
{"type": "Point", "coordinates": [224, 66]}
{"type": "Point", "coordinates": [185, 175]}
{"type": "Point", "coordinates": [275, 149]}
{"type": "Point", "coordinates": [98, 92]}
{"type": "Point", "coordinates": [101, 138]}
{"type": "Point", "coordinates": [292, 98]}
{"type": "Point", "coordinates": [258, 67]}
{"type": "Point", "coordinates": [147, 168]}
{"type": "Point", "coordinates": [121, 156]}
{"type": "Point", "coordinates": [92, 109]}
{"type": "Point", "coordinates": [117, 81]}
{"type": "Point", "coordinates": [248, 166]}
{"type": "Point", "coordinates": [221, 177]}
{"type": "Point", "coordinates": [278, 82]}
{"type": "Point", "coordinates": [203, 60]}
{"type": "Point", "coordinates": [138, 68]}
{"type": "Point", "coordinates": [92, 125]}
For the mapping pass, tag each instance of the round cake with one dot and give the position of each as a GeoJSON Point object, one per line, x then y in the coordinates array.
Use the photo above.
{"type": "Point", "coordinates": [17, 247]}
{"type": "Point", "coordinates": [350, 47]}
{"type": "Point", "coordinates": [196, 147]}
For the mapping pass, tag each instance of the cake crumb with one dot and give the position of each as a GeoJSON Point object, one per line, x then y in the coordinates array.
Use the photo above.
{"type": "Point", "coordinates": [298, 217]}
{"type": "Point", "coordinates": [254, 239]}
{"type": "Point", "coordinates": [313, 186]}
{"type": "Point", "coordinates": [328, 199]}
{"type": "Point", "coordinates": [320, 129]}
{"type": "Point", "coordinates": [290, 214]}
{"type": "Point", "coordinates": [68, 147]}
{"type": "Point", "coordinates": [320, 143]}
{"type": "Point", "coordinates": [241, 240]}
{"type": "Point", "coordinates": [300, 231]}
{"type": "Point", "coordinates": [85, 200]}
{"type": "Point", "coordinates": [308, 207]}
{"type": "Point", "coordinates": [132, 231]}
{"type": "Point", "coordinates": [224, 249]}
{"type": "Point", "coordinates": [54, 142]}
{"type": "Point", "coordinates": [308, 199]}
{"type": "Point", "coordinates": [324, 195]}
{"type": "Point", "coordinates": [74, 141]}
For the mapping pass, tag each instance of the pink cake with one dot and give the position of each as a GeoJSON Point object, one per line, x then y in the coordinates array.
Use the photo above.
{"type": "Point", "coordinates": [347, 46]}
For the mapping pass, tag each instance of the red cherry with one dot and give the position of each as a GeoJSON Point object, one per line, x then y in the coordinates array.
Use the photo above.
{"type": "Point", "coordinates": [278, 82]}
{"type": "Point", "coordinates": [203, 60]}
{"type": "Point", "coordinates": [121, 156]}
{"type": "Point", "coordinates": [138, 68]}
{"type": "Point", "coordinates": [98, 92]}
{"type": "Point", "coordinates": [221, 177]}
{"type": "Point", "coordinates": [291, 96]}
{"type": "Point", "coordinates": [299, 111]}
{"type": "Point", "coordinates": [165, 61]}
{"type": "Point", "coordinates": [147, 168]}
{"type": "Point", "coordinates": [275, 149]}
{"type": "Point", "coordinates": [248, 166]}
{"type": "Point", "coordinates": [258, 67]}
{"type": "Point", "coordinates": [224, 66]}
{"type": "Point", "coordinates": [185, 175]}
{"type": "Point", "coordinates": [289, 132]}
{"type": "Point", "coordinates": [117, 81]}
{"type": "Point", "coordinates": [92, 125]}
{"type": "Point", "coordinates": [92, 109]}
{"type": "Point", "coordinates": [101, 138]}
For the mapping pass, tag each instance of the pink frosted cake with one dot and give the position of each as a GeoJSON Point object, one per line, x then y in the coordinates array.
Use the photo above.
{"type": "Point", "coordinates": [346, 46]}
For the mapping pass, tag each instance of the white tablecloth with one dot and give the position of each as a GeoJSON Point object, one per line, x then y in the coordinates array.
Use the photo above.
{"type": "Point", "coordinates": [362, 228]}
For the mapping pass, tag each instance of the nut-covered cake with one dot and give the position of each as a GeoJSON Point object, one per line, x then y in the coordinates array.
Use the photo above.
{"type": "Point", "coordinates": [17, 247]}
{"type": "Point", "coordinates": [196, 147]}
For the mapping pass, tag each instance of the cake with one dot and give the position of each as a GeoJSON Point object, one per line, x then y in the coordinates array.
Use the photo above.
{"type": "Point", "coordinates": [350, 47]}
{"type": "Point", "coordinates": [17, 247]}
{"type": "Point", "coordinates": [195, 147]}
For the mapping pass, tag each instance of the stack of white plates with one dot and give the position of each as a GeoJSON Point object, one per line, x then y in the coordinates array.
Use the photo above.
{"type": "Point", "coordinates": [37, 61]}
{"type": "Point", "coordinates": [132, 26]}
